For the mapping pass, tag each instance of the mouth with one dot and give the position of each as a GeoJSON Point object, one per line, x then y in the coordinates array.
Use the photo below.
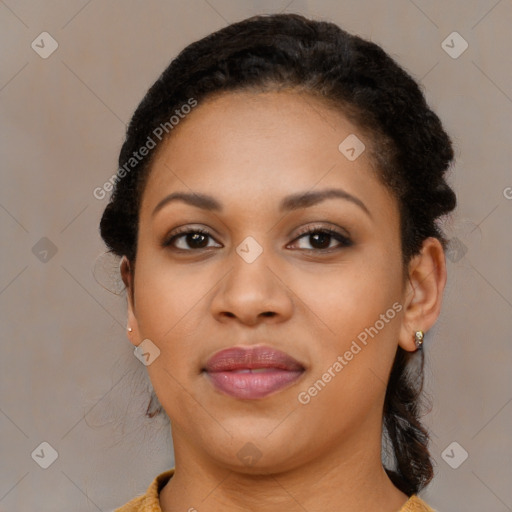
{"type": "Point", "coordinates": [252, 372]}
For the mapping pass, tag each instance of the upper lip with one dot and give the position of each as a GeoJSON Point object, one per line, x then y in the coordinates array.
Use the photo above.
{"type": "Point", "coordinates": [253, 357]}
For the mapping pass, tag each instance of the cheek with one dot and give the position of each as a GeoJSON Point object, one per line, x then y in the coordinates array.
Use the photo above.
{"type": "Point", "coordinates": [356, 343]}
{"type": "Point", "coordinates": [168, 302]}
{"type": "Point", "coordinates": [359, 308]}
{"type": "Point", "coordinates": [167, 295]}
{"type": "Point", "coordinates": [171, 308]}
{"type": "Point", "coordinates": [351, 296]}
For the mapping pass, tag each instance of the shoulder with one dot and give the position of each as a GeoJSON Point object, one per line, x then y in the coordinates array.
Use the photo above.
{"type": "Point", "coordinates": [416, 504]}
{"type": "Point", "coordinates": [148, 502]}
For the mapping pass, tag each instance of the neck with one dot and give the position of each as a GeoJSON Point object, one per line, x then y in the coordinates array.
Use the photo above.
{"type": "Point", "coordinates": [346, 479]}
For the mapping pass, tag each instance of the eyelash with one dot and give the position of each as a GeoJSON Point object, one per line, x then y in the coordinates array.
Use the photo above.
{"type": "Point", "coordinates": [342, 239]}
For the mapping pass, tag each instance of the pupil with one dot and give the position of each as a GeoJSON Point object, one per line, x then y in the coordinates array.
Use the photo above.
{"type": "Point", "coordinates": [321, 240]}
{"type": "Point", "coordinates": [194, 240]}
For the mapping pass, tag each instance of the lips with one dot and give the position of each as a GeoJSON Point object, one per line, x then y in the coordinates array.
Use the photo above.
{"type": "Point", "coordinates": [252, 372]}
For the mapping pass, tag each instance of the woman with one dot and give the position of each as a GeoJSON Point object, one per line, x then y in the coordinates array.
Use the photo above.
{"type": "Point", "coordinates": [276, 211]}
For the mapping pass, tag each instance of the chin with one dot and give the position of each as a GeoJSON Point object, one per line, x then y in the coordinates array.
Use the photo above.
{"type": "Point", "coordinates": [255, 452]}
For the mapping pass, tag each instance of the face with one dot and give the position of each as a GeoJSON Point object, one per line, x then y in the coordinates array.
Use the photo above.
{"type": "Point", "coordinates": [295, 252]}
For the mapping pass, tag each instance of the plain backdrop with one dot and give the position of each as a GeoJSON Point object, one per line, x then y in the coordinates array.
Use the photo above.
{"type": "Point", "coordinates": [68, 374]}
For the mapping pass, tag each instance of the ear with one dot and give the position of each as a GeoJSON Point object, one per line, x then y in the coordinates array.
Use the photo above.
{"type": "Point", "coordinates": [423, 293]}
{"type": "Point", "coordinates": [127, 276]}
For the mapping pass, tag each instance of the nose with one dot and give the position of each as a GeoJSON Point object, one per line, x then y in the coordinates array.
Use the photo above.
{"type": "Point", "coordinates": [251, 293]}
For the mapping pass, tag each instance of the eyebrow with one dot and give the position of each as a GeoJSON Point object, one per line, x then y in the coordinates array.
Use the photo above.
{"type": "Point", "coordinates": [292, 202]}
{"type": "Point", "coordinates": [305, 199]}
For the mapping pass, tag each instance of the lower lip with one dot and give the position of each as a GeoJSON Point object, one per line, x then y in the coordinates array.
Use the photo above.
{"type": "Point", "coordinates": [253, 385]}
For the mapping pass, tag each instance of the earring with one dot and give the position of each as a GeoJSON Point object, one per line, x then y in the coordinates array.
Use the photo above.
{"type": "Point", "coordinates": [129, 329]}
{"type": "Point", "coordinates": [418, 339]}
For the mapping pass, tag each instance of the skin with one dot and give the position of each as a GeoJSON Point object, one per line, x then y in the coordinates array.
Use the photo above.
{"type": "Point", "coordinates": [249, 150]}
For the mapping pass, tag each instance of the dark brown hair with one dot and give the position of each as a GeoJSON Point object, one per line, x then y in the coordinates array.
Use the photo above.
{"type": "Point", "coordinates": [411, 150]}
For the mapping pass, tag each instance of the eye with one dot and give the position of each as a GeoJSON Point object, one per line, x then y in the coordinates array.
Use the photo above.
{"type": "Point", "coordinates": [321, 239]}
{"type": "Point", "coordinates": [187, 239]}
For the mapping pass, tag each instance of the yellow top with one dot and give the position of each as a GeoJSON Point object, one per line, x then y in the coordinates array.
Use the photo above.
{"type": "Point", "coordinates": [150, 502]}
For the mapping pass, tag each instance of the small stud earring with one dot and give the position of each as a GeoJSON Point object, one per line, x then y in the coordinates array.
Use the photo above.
{"type": "Point", "coordinates": [418, 339]}
{"type": "Point", "coordinates": [129, 329]}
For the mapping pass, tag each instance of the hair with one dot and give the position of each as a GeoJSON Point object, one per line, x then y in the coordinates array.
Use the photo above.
{"type": "Point", "coordinates": [408, 144]}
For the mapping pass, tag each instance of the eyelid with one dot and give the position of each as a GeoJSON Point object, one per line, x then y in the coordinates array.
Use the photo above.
{"type": "Point", "coordinates": [184, 230]}
{"type": "Point", "coordinates": [326, 226]}
{"type": "Point", "coordinates": [344, 240]}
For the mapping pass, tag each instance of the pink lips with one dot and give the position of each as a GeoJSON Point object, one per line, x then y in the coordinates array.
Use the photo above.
{"type": "Point", "coordinates": [252, 372]}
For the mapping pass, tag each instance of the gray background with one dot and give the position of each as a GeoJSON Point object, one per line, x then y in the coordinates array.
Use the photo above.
{"type": "Point", "coordinates": [68, 373]}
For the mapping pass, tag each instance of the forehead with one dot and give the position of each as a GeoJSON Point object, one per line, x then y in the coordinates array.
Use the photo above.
{"type": "Point", "coordinates": [252, 146]}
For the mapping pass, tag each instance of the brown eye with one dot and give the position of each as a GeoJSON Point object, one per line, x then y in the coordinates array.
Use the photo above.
{"type": "Point", "coordinates": [321, 239]}
{"type": "Point", "coordinates": [189, 240]}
